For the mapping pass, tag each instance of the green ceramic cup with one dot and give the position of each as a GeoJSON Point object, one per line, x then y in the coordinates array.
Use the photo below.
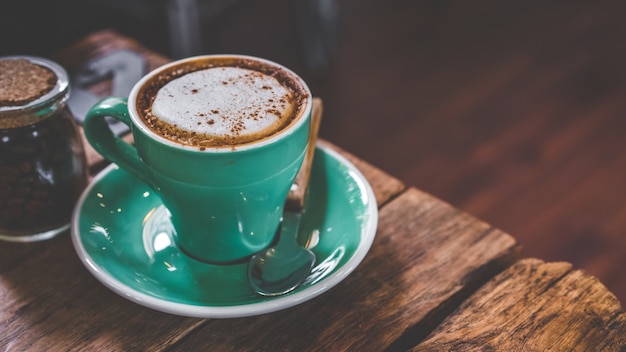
{"type": "Point", "coordinates": [225, 202]}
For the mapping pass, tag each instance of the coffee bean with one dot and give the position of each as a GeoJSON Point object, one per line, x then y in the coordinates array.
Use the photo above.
{"type": "Point", "coordinates": [25, 166]}
{"type": "Point", "coordinates": [41, 193]}
{"type": "Point", "coordinates": [15, 202]}
{"type": "Point", "coordinates": [22, 192]}
{"type": "Point", "coordinates": [23, 149]}
{"type": "Point", "coordinates": [40, 132]}
{"type": "Point", "coordinates": [40, 165]}
{"type": "Point", "coordinates": [35, 206]}
{"type": "Point", "coordinates": [11, 213]}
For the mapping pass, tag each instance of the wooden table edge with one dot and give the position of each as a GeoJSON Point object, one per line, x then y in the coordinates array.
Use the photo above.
{"type": "Point", "coordinates": [393, 187]}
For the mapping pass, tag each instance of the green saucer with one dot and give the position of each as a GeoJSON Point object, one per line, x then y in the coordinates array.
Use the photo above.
{"type": "Point", "coordinates": [122, 234]}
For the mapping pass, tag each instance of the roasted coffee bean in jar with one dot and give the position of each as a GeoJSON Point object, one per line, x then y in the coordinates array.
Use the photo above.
{"type": "Point", "coordinates": [42, 161]}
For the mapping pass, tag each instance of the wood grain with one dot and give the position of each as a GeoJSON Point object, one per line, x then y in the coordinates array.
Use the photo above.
{"type": "Point", "coordinates": [99, 43]}
{"type": "Point", "coordinates": [436, 278]}
{"type": "Point", "coordinates": [427, 258]}
{"type": "Point", "coordinates": [61, 306]}
{"type": "Point", "coordinates": [535, 306]}
{"type": "Point", "coordinates": [385, 186]}
{"type": "Point", "coordinates": [50, 302]}
{"type": "Point", "coordinates": [500, 108]}
{"type": "Point", "coordinates": [511, 111]}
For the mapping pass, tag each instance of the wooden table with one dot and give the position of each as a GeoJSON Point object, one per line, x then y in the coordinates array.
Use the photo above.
{"type": "Point", "coordinates": [435, 279]}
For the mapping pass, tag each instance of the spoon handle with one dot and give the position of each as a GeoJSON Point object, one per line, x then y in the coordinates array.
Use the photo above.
{"type": "Point", "coordinates": [297, 194]}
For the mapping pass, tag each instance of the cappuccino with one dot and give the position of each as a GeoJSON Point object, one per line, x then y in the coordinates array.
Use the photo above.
{"type": "Point", "coordinates": [220, 139]}
{"type": "Point", "coordinates": [221, 102]}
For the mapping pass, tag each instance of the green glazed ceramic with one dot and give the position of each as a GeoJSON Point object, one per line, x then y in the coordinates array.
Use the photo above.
{"type": "Point", "coordinates": [124, 236]}
{"type": "Point", "coordinates": [225, 202]}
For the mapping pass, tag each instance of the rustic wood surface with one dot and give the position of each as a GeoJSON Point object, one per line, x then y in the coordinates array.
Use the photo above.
{"type": "Point", "coordinates": [426, 258]}
{"type": "Point", "coordinates": [535, 306]}
{"type": "Point", "coordinates": [436, 278]}
{"type": "Point", "coordinates": [510, 110]}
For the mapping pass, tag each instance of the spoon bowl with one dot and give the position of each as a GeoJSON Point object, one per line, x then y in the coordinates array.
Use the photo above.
{"type": "Point", "coordinates": [281, 268]}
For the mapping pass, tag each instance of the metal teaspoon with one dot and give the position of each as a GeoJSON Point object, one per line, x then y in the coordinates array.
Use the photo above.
{"type": "Point", "coordinates": [281, 268]}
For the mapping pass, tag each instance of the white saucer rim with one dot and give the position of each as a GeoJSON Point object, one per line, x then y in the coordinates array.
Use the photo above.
{"type": "Point", "coordinates": [368, 232]}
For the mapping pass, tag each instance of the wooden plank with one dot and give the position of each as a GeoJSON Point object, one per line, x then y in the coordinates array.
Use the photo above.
{"type": "Point", "coordinates": [102, 42]}
{"type": "Point", "coordinates": [48, 301]}
{"type": "Point", "coordinates": [535, 306]}
{"type": "Point", "coordinates": [385, 186]}
{"type": "Point", "coordinates": [61, 306]}
{"type": "Point", "coordinates": [426, 259]}
{"type": "Point", "coordinates": [35, 320]}
{"type": "Point", "coordinates": [493, 121]}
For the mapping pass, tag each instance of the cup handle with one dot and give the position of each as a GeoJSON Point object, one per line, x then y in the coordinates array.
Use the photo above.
{"type": "Point", "coordinates": [112, 147]}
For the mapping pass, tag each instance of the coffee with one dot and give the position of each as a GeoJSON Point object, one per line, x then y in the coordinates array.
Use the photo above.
{"type": "Point", "coordinates": [42, 163]}
{"type": "Point", "coordinates": [220, 139]}
{"type": "Point", "coordinates": [221, 102]}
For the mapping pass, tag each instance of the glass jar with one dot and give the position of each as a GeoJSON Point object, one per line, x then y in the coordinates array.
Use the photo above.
{"type": "Point", "coordinates": [42, 161]}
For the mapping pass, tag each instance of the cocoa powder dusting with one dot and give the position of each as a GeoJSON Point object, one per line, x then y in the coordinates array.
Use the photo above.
{"type": "Point", "coordinates": [148, 92]}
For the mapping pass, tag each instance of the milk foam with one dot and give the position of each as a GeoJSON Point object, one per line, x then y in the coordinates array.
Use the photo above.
{"type": "Point", "coordinates": [228, 102]}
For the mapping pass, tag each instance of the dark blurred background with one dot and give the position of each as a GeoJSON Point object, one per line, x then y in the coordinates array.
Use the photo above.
{"type": "Point", "coordinates": [513, 111]}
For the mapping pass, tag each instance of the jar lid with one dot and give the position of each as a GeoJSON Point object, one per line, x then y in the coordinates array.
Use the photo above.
{"type": "Point", "coordinates": [28, 83]}
{"type": "Point", "coordinates": [38, 80]}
